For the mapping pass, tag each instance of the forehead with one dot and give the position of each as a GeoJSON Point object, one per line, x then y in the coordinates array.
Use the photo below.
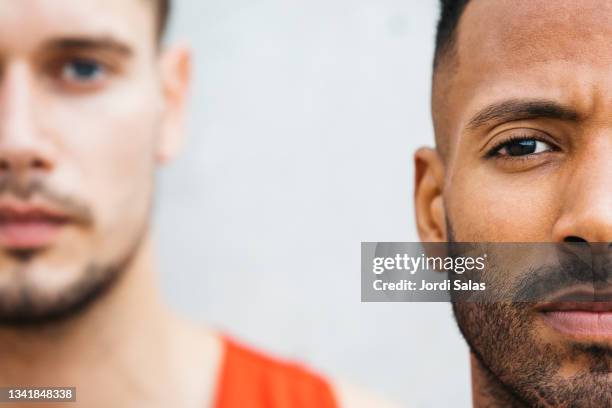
{"type": "Point", "coordinates": [25, 23]}
{"type": "Point", "coordinates": [558, 50]}
{"type": "Point", "coordinates": [536, 29]}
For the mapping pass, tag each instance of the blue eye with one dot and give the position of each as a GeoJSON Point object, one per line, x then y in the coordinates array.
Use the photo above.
{"type": "Point", "coordinates": [521, 147]}
{"type": "Point", "coordinates": [82, 70]}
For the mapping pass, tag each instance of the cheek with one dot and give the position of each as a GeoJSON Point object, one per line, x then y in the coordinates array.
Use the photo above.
{"type": "Point", "coordinates": [491, 206]}
{"type": "Point", "coordinates": [108, 144]}
{"type": "Point", "coordinates": [118, 178]}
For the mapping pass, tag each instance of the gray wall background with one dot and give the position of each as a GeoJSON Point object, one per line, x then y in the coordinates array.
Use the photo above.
{"type": "Point", "coordinates": [304, 119]}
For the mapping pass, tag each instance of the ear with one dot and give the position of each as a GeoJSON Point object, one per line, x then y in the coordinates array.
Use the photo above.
{"type": "Point", "coordinates": [175, 71]}
{"type": "Point", "coordinates": [428, 198]}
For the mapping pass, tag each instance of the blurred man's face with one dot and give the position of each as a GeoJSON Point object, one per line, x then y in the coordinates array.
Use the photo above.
{"type": "Point", "coordinates": [80, 118]}
{"type": "Point", "coordinates": [527, 113]}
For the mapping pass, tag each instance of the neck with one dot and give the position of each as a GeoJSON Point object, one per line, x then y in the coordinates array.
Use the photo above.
{"type": "Point", "coordinates": [126, 346]}
{"type": "Point", "coordinates": [487, 390]}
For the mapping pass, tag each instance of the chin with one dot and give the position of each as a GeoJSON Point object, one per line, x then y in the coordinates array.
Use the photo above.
{"type": "Point", "coordinates": [40, 292]}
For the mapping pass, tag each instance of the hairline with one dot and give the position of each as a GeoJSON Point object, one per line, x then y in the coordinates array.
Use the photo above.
{"type": "Point", "coordinates": [161, 10]}
{"type": "Point", "coordinates": [445, 62]}
{"type": "Point", "coordinates": [446, 41]}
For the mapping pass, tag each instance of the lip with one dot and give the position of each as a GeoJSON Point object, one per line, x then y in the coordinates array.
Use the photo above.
{"type": "Point", "coordinates": [29, 226]}
{"type": "Point", "coordinates": [581, 315]}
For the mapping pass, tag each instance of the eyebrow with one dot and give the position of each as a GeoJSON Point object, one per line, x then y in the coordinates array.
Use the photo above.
{"type": "Point", "coordinates": [516, 109]}
{"type": "Point", "coordinates": [105, 43]}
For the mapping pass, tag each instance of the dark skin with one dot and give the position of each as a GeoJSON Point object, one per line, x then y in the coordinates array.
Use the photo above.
{"type": "Point", "coordinates": [522, 112]}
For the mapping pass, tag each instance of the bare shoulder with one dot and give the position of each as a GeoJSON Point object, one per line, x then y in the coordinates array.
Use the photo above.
{"type": "Point", "coordinates": [351, 396]}
{"type": "Point", "coordinates": [196, 362]}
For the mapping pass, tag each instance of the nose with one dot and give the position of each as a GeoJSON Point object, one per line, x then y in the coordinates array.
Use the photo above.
{"type": "Point", "coordinates": [587, 196]}
{"type": "Point", "coordinates": [22, 149]}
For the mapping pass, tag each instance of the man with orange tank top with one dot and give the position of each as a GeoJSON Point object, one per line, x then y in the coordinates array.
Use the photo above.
{"type": "Point", "coordinates": [90, 106]}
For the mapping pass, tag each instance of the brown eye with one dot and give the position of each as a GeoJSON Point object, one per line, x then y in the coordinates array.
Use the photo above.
{"type": "Point", "coordinates": [522, 147]}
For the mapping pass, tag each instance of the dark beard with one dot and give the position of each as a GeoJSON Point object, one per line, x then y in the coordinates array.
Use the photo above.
{"type": "Point", "coordinates": [96, 281]}
{"type": "Point", "coordinates": [521, 369]}
{"type": "Point", "coordinates": [524, 370]}
{"type": "Point", "coordinates": [28, 311]}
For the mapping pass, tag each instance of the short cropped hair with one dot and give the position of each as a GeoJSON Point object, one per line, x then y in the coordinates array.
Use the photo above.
{"type": "Point", "coordinates": [446, 37]}
{"type": "Point", "coordinates": [162, 8]}
{"type": "Point", "coordinates": [450, 14]}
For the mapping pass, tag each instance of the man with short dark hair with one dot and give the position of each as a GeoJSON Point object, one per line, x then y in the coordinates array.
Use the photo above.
{"type": "Point", "coordinates": [522, 112]}
{"type": "Point", "coordinates": [90, 106]}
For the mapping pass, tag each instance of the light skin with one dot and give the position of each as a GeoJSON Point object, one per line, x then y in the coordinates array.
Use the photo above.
{"type": "Point", "coordinates": [90, 106]}
{"type": "Point", "coordinates": [523, 119]}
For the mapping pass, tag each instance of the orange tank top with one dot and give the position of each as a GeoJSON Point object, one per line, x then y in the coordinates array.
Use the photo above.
{"type": "Point", "coordinates": [249, 379]}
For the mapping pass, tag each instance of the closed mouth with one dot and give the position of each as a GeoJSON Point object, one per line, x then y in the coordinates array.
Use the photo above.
{"type": "Point", "coordinates": [582, 315]}
{"type": "Point", "coordinates": [24, 227]}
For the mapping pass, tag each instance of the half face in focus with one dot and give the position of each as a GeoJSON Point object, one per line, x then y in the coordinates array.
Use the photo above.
{"type": "Point", "coordinates": [525, 109]}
